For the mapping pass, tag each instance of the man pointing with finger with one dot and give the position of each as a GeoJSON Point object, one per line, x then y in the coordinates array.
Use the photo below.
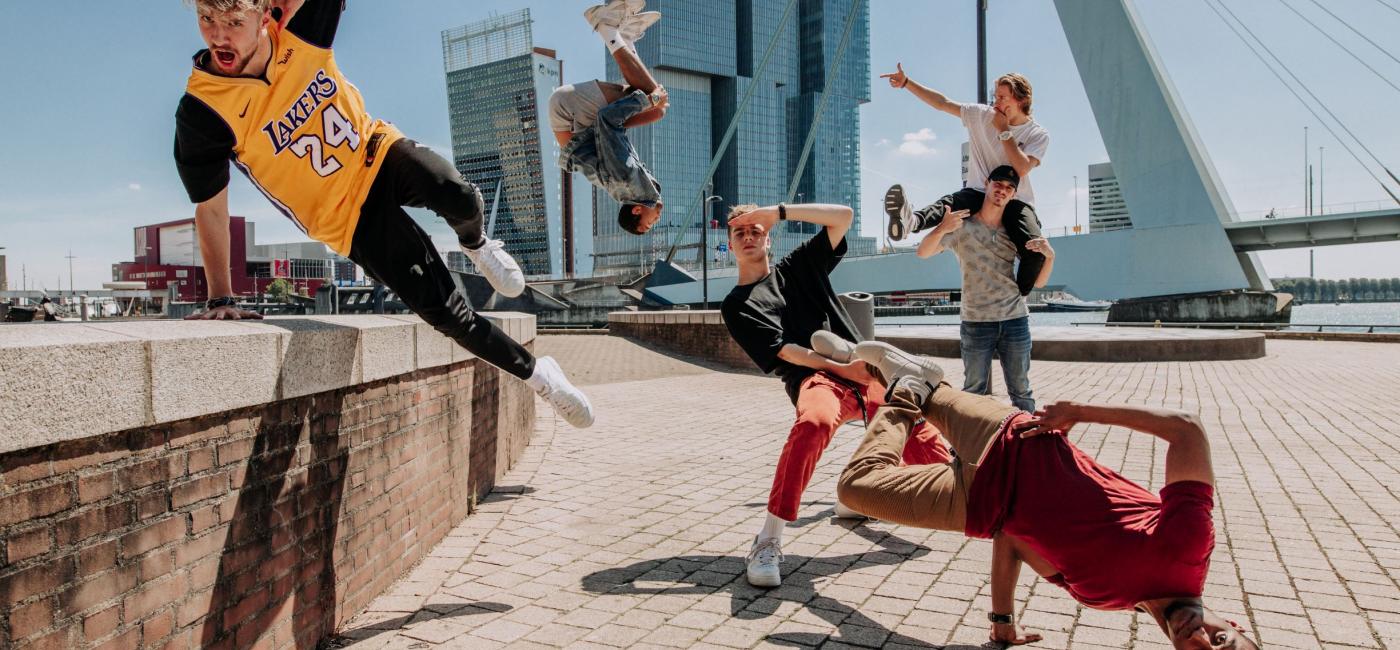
{"type": "Point", "coordinates": [1001, 134]}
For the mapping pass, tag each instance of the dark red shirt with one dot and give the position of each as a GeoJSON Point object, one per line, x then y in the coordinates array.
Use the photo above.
{"type": "Point", "coordinates": [1114, 543]}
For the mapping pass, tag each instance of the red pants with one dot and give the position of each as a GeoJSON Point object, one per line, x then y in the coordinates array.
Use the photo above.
{"type": "Point", "coordinates": [824, 403]}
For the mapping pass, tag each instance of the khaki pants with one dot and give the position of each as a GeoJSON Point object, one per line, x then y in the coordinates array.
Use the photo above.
{"type": "Point", "coordinates": [927, 496]}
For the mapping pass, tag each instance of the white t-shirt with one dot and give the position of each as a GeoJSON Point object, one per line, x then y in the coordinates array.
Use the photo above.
{"type": "Point", "coordinates": [986, 152]}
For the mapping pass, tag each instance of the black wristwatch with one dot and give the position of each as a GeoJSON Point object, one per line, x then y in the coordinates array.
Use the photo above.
{"type": "Point", "coordinates": [1000, 619]}
{"type": "Point", "coordinates": [782, 212]}
{"type": "Point", "coordinates": [226, 301]}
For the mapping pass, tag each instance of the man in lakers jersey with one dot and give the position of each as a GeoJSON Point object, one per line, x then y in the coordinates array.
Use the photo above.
{"type": "Point", "coordinates": [268, 96]}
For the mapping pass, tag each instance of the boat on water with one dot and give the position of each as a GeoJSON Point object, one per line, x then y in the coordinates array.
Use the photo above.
{"type": "Point", "coordinates": [1067, 302]}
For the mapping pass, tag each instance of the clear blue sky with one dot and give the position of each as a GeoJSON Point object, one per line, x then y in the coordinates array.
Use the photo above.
{"type": "Point", "coordinates": [91, 89]}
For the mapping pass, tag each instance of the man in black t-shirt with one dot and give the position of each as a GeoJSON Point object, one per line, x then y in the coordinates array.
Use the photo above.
{"type": "Point", "coordinates": [772, 314]}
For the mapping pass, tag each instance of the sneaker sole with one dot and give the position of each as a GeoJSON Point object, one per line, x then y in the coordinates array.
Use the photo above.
{"type": "Point", "coordinates": [764, 581]}
{"type": "Point", "coordinates": [894, 206]}
{"type": "Point", "coordinates": [932, 372]}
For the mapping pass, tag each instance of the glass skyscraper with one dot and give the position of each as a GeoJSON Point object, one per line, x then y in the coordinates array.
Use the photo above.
{"type": "Point", "coordinates": [498, 88]}
{"type": "Point", "coordinates": [707, 55]}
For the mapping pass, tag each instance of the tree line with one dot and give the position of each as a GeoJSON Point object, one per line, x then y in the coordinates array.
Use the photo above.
{"type": "Point", "coordinates": [1349, 290]}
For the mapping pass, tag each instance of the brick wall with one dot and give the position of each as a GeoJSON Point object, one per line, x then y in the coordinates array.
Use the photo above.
{"type": "Point", "coordinates": [695, 333]}
{"type": "Point", "coordinates": [266, 526]}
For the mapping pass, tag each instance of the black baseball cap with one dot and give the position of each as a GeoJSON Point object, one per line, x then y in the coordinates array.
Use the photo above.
{"type": "Point", "coordinates": [1005, 173]}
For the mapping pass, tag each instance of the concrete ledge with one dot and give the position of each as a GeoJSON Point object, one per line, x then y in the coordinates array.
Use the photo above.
{"type": "Point", "coordinates": [70, 381]}
{"type": "Point", "coordinates": [695, 333]}
{"type": "Point", "coordinates": [1101, 345]}
{"type": "Point", "coordinates": [1353, 337]}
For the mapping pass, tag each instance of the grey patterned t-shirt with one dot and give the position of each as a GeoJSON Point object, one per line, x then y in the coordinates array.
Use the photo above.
{"type": "Point", "coordinates": [988, 261]}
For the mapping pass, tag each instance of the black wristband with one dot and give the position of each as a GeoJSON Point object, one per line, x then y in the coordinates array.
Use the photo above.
{"type": "Point", "coordinates": [1000, 619]}
{"type": "Point", "coordinates": [225, 301]}
{"type": "Point", "coordinates": [782, 212]}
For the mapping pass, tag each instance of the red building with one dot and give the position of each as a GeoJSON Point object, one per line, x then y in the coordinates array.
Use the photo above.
{"type": "Point", "coordinates": [167, 255]}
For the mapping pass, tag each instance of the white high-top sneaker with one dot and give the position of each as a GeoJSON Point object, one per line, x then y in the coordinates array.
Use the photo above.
{"type": "Point", "coordinates": [636, 25]}
{"type": "Point", "coordinates": [568, 401]}
{"type": "Point", "coordinates": [764, 563]}
{"type": "Point", "coordinates": [498, 267]}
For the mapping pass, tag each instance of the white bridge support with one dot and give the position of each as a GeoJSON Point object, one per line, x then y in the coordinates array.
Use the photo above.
{"type": "Point", "coordinates": [1179, 242]}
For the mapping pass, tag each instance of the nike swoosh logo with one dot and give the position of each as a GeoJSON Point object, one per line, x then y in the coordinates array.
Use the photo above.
{"type": "Point", "coordinates": [245, 109]}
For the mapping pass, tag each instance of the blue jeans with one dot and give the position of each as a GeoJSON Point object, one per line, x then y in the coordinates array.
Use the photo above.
{"type": "Point", "coordinates": [604, 154]}
{"type": "Point", "coordinates": [1011, 341]}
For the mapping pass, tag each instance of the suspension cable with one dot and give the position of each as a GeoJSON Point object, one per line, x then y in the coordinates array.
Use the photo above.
{"type": "Point", "coordinates": [733, 126]}
{"type": "Point", "coordinates": [1307, 90]}
{"type": "Point", "coordinates": [1339, 43]}
{"type": "Point", "coordinates": [1300, 99]}
{"type": "Point", "coordinates": [833, 72]}
{"type": "Point", "coordinates": [1355, 31]}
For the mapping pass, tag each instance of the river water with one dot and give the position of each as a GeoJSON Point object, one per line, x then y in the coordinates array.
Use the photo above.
{"type": "Point", "coordinates": [1335, 317]}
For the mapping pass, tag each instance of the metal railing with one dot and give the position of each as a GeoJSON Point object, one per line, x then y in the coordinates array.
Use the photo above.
{"type": "Point", "coordinates": [1369, 327]}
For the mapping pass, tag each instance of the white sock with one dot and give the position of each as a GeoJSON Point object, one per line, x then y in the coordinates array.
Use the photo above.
{"type": "Point", "coordinates": [611, 38]}
{"type": "Point", "coordinates": [772, 528]}
{"type": "Point", "coordinates": [536, 382]}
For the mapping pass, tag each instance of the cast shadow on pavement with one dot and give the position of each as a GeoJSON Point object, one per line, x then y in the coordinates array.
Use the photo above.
{"type": "Point", "coordinates": [704, 574]}
{"type": "Point", "coordinates": [349, 638]}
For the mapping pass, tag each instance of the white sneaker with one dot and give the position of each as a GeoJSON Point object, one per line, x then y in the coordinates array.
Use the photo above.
{"type": "Point", "coordinates": [764, 560]}
{"type": "Point", "coordinates": [901, 216]}
{"type": "Point", "coordinates": [568, 401]}
{"type": "Point", "coordinates": [842, 512]}
{"type": "Point", "coordinates": [635, 26]}
{"type": "Point", "coordinates": [895, 363]}
{"type": "Point", "coordinates": [833, 347]}
{"type": "Point", "coordinates": [612, 13]}
{"type": "Point", "coordinates": [498, 267]}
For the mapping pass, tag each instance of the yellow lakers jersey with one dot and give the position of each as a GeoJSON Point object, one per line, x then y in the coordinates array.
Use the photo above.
{"type": "Point", "coordinates": [302, 136]}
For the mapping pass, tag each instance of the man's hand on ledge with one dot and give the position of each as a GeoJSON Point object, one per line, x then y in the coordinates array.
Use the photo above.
{"type": "Point", "coordinates": [227, 312]}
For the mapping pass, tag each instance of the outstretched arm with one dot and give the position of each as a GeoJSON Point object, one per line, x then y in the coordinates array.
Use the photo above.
{"type": "Point", "coordinates": [925, 94]}
{"type": "Point", "coordinates": [1188, 450]}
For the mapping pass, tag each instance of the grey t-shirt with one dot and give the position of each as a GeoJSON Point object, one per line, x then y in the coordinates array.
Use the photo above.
{"type": "Point", "coordinates": [575, 107]}
{"type": "Point", "coordinates": [988, 261]}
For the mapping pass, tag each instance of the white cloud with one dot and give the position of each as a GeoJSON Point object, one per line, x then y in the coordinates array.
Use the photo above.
{"type": "Point", "coordinates": [916, 143]}
{"type": "Point", "coordinates": [135, 187]}
{"type": "Point", "coordinates": [883, 142]}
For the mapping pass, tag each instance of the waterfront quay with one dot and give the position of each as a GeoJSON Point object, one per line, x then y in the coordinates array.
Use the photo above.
{"type": "Point", "coordinates": [633, 533]}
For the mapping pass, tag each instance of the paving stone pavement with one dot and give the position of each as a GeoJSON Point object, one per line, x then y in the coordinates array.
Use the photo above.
{"type": "Point", "coordinates": [633, 533]}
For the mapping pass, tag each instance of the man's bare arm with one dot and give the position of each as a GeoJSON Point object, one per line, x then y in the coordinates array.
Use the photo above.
{"type": "Point", "coordinates": [1188, 450]}
{"type": "Point", "coordinates": [925, 94]}
{"type": "Point", "coordinates": [211, 220]}
{"type": "Point", "coordinates": [799, 356]}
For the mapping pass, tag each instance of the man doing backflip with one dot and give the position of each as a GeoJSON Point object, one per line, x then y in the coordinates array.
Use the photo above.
{"type": "Point", "coordinates": [590, 120]}
{"type": "Point", "coordinates": [268, 97]}
{"type": "Point", "coordinates": [1017, 479]}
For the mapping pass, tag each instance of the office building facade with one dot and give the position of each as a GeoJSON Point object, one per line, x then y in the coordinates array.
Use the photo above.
{"type": "Point", "coordinates": [1107, 209]}
{"type": "Point", "coordinates": [498, 88]}
{"type": "Point", "coordinates": [708, 56]}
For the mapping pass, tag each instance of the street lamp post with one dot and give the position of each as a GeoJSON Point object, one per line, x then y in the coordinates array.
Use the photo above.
{"type": "Point", "coordinates": [705, 200]}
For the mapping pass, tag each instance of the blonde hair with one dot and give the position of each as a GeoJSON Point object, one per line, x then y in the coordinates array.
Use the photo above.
{"type": "Point", "coordinates": [1020, 88]}
{"type": "Point", "coordinates": [741, 210]}
{"type": "Point", "coordinates": [220, 6]}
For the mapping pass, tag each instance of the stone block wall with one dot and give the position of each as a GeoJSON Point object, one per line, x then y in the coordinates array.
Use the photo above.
{"type": "Point", "coordinates": [266, 525]}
